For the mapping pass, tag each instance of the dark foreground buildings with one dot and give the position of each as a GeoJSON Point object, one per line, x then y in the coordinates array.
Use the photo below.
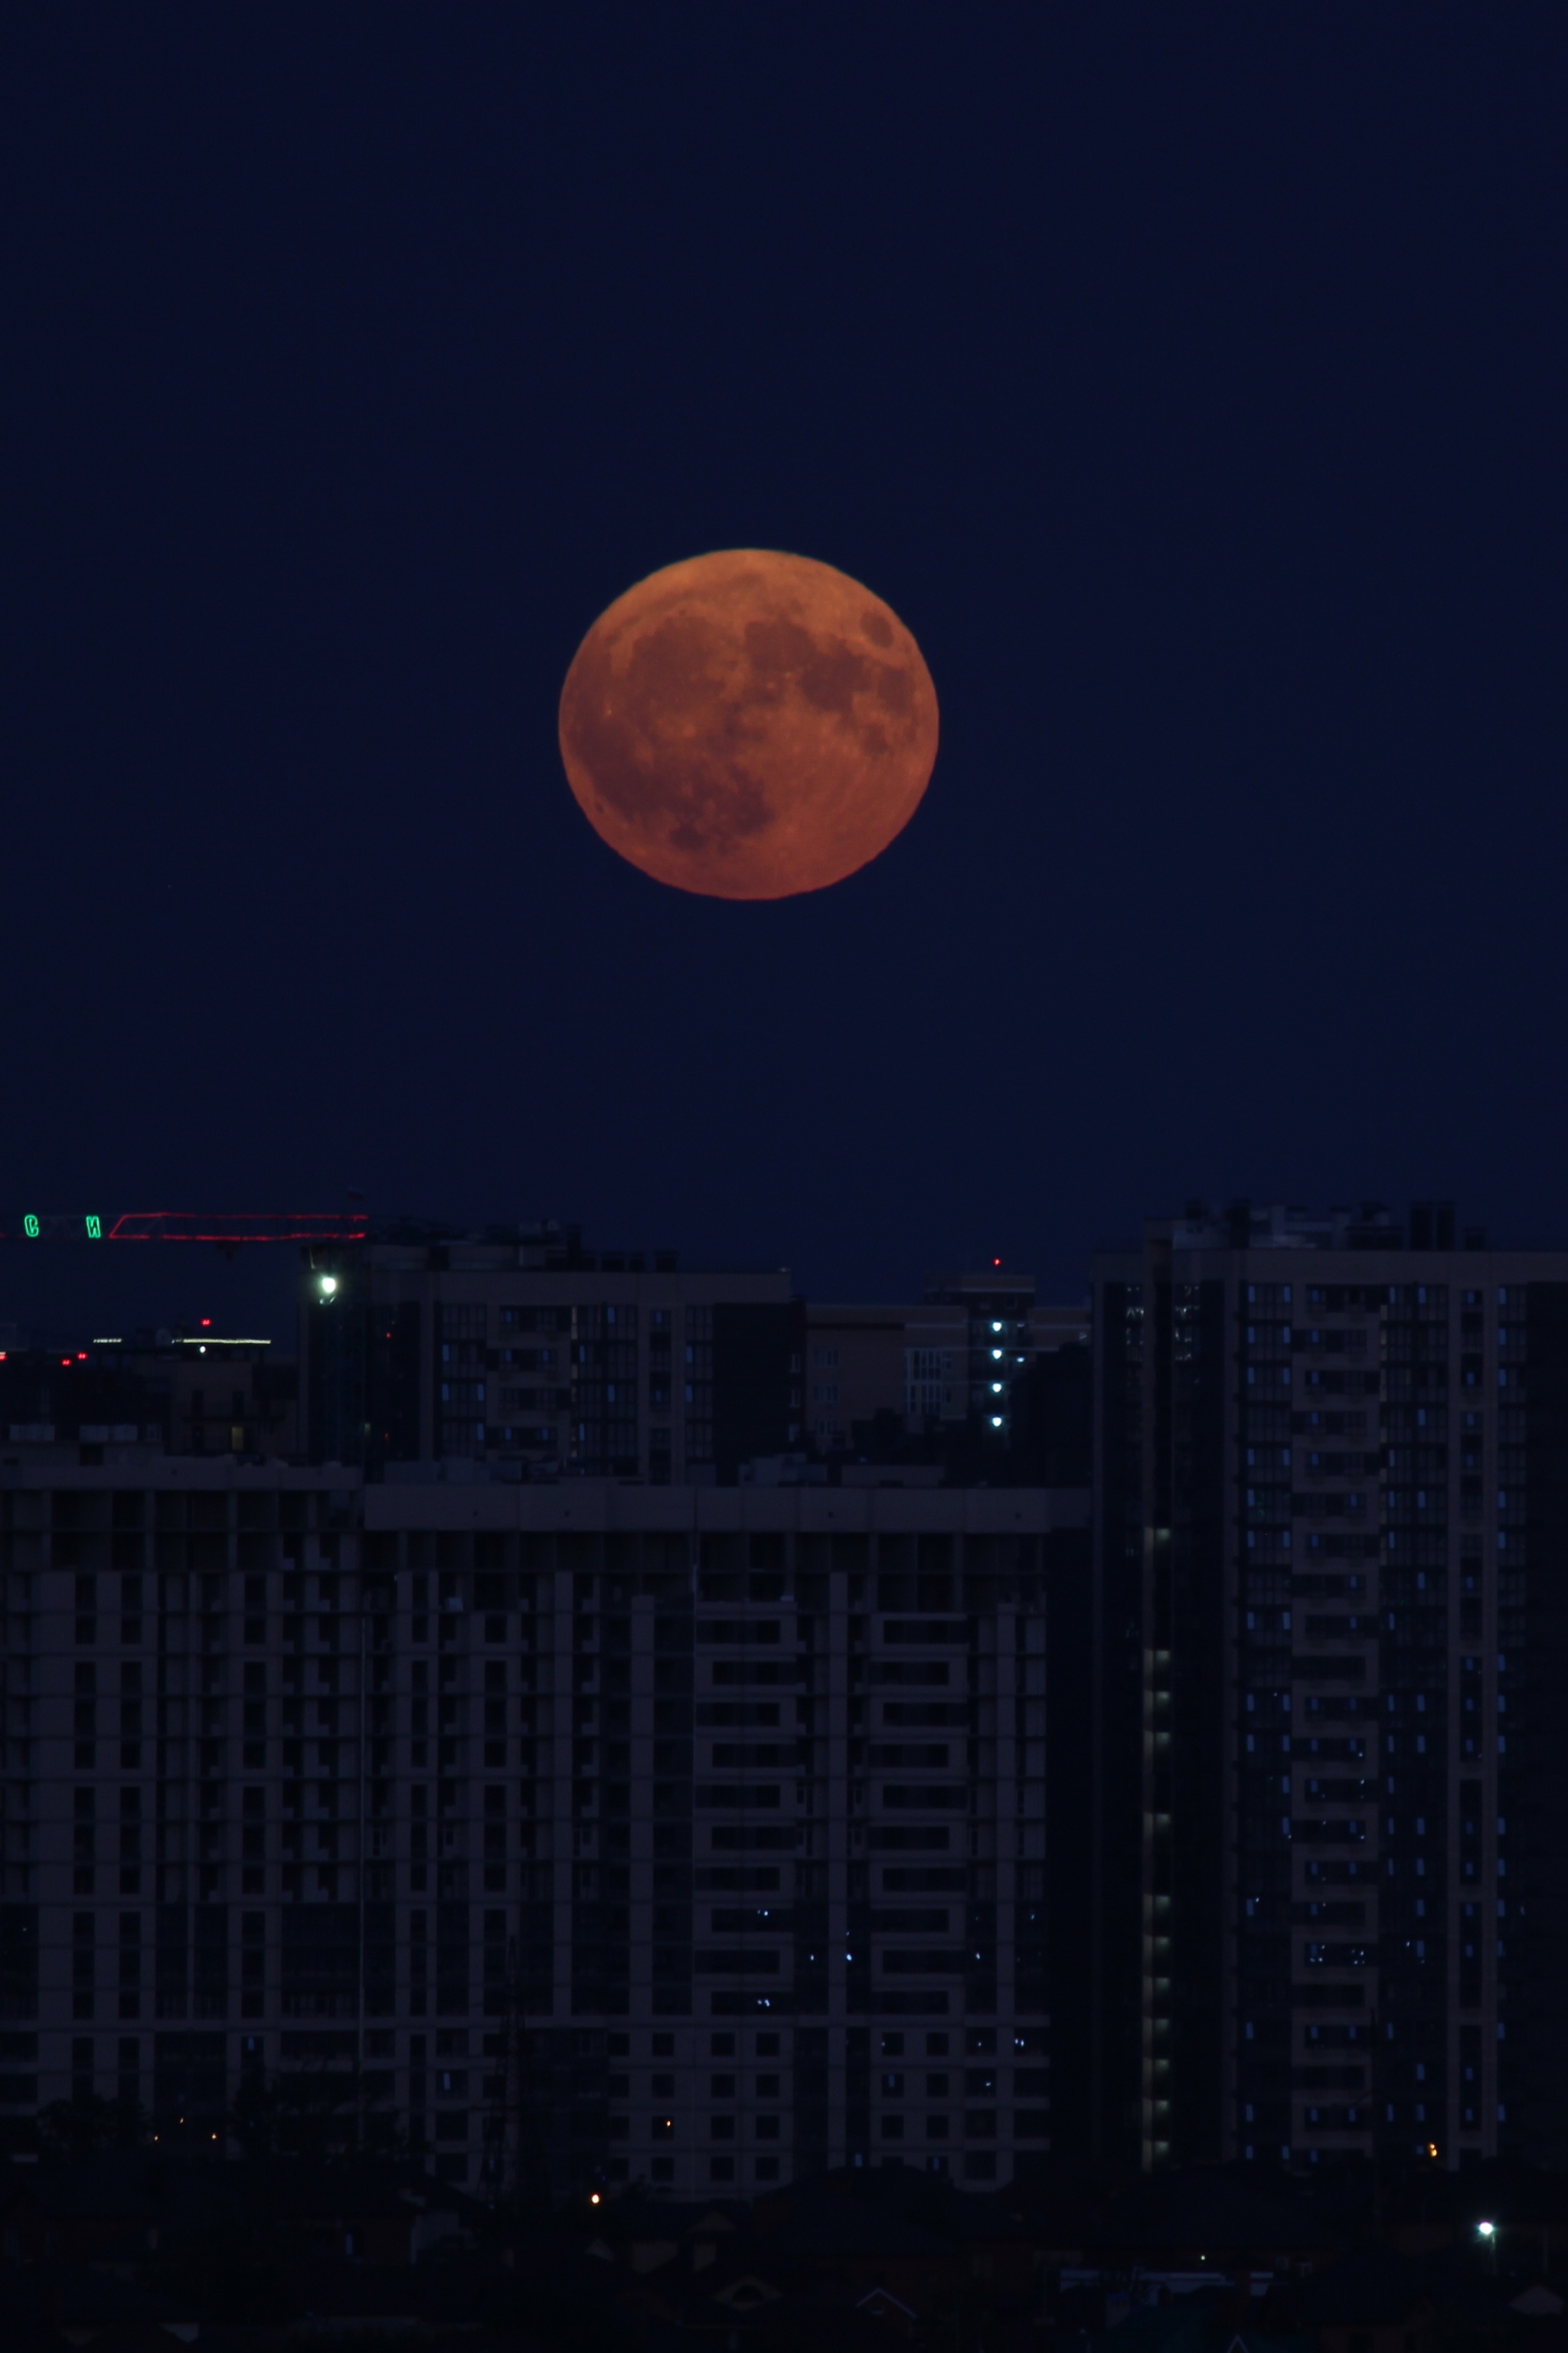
{"type": "Point", "coordinates": [1331, 1548]}
{"type": "Point", "coordinates": [691, 1835]}
{"type": "Point", "coordinates": [596, 1762]}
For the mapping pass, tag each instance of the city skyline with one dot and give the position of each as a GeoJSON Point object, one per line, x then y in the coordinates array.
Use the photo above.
{"type": "Point", "coordinates": [65, 1290]}
{"type": "Point", "coordinates": [797, 722]}
{"type": "Point", "coordinates": [567, 1727]}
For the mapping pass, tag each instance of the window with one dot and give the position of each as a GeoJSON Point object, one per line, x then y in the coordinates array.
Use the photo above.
{"type": "Point", "coordinates": [461, 1324]}
{"type": "Point", "coordinates": [928, 1375]}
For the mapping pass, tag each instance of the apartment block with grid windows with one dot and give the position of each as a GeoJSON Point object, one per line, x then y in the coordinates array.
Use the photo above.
{"type": "Point", "coordinates": [694, 1836]}
{"type": "Point", "coordinates": [1332, 1552]}
{"type": "Point", "coordinates": [521, 1349]}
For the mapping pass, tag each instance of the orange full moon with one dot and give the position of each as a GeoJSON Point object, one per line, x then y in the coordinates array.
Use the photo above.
{"type": "Point", "coordinates": [748, 725]}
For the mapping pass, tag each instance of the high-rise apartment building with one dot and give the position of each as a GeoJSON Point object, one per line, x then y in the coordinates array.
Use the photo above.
{"type": "Point", "coordinates": [694, 1835]}
{"type": "Point", "coordinates": [1331, 1563]}
{"type": "Point", "coordinates": [997, 1308]}
{"type": "Point", "coordinates": [950, 1364]}
{"type": "Point", "coordinates": [518, 1347]}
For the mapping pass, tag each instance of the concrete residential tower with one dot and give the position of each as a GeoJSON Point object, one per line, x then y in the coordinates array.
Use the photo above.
{"type": "Point", "coordinates": [1332, 1583]}
{"type": "Point", "coordinates": [516, 1348]}
{"type": "Point", "coordinates": [689, 1835]}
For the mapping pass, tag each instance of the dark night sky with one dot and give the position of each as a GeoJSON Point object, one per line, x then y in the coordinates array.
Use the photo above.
{"type": "Point", "coordinates": [1191, 380]}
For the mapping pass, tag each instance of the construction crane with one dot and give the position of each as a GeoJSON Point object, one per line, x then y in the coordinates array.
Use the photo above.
{"type": "Point", "coordinates": [228, 1228]}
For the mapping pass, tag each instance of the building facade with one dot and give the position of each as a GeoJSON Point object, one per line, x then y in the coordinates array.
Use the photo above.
{"type": "Point", "coordinates": [1004, 1330]}
{"type": "Point", "coordinates": [695, 1836]}
{"type": "Point", "coordinates": [896, 1365]}
{"type": "Point", "coordinates": [1331, 1538]}
{"type": "Point", "coordinates": [523, 1349]}
{"type": "Point", "coordinates": [189, 1392]}
{"type": "Point", "coordinates": [952, 1362]}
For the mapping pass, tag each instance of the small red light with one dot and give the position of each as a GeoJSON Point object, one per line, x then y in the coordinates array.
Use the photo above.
{"type": "Point", "coordinates": [81, 1355]}
{"type": "Point", "coordinates": [207, 1321]}
{"type": "Point", "coordinates": [64, 1360]}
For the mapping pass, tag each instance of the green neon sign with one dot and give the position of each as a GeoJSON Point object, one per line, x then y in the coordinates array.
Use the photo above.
{"type": "Point", "coordinates": [30, 1227]}
{"type": "Point", "coordinates": [94, 1230]}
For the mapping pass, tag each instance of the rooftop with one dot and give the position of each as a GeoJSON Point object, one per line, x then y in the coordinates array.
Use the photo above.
{"type": "Point", "coordinates": [1287, 1224]}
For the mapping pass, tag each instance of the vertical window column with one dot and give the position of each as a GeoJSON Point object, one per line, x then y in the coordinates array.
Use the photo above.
{"type": "Point", "coordinates": [84, 1931]}
{"type": "Point", "coordinates": [130, 1975]}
